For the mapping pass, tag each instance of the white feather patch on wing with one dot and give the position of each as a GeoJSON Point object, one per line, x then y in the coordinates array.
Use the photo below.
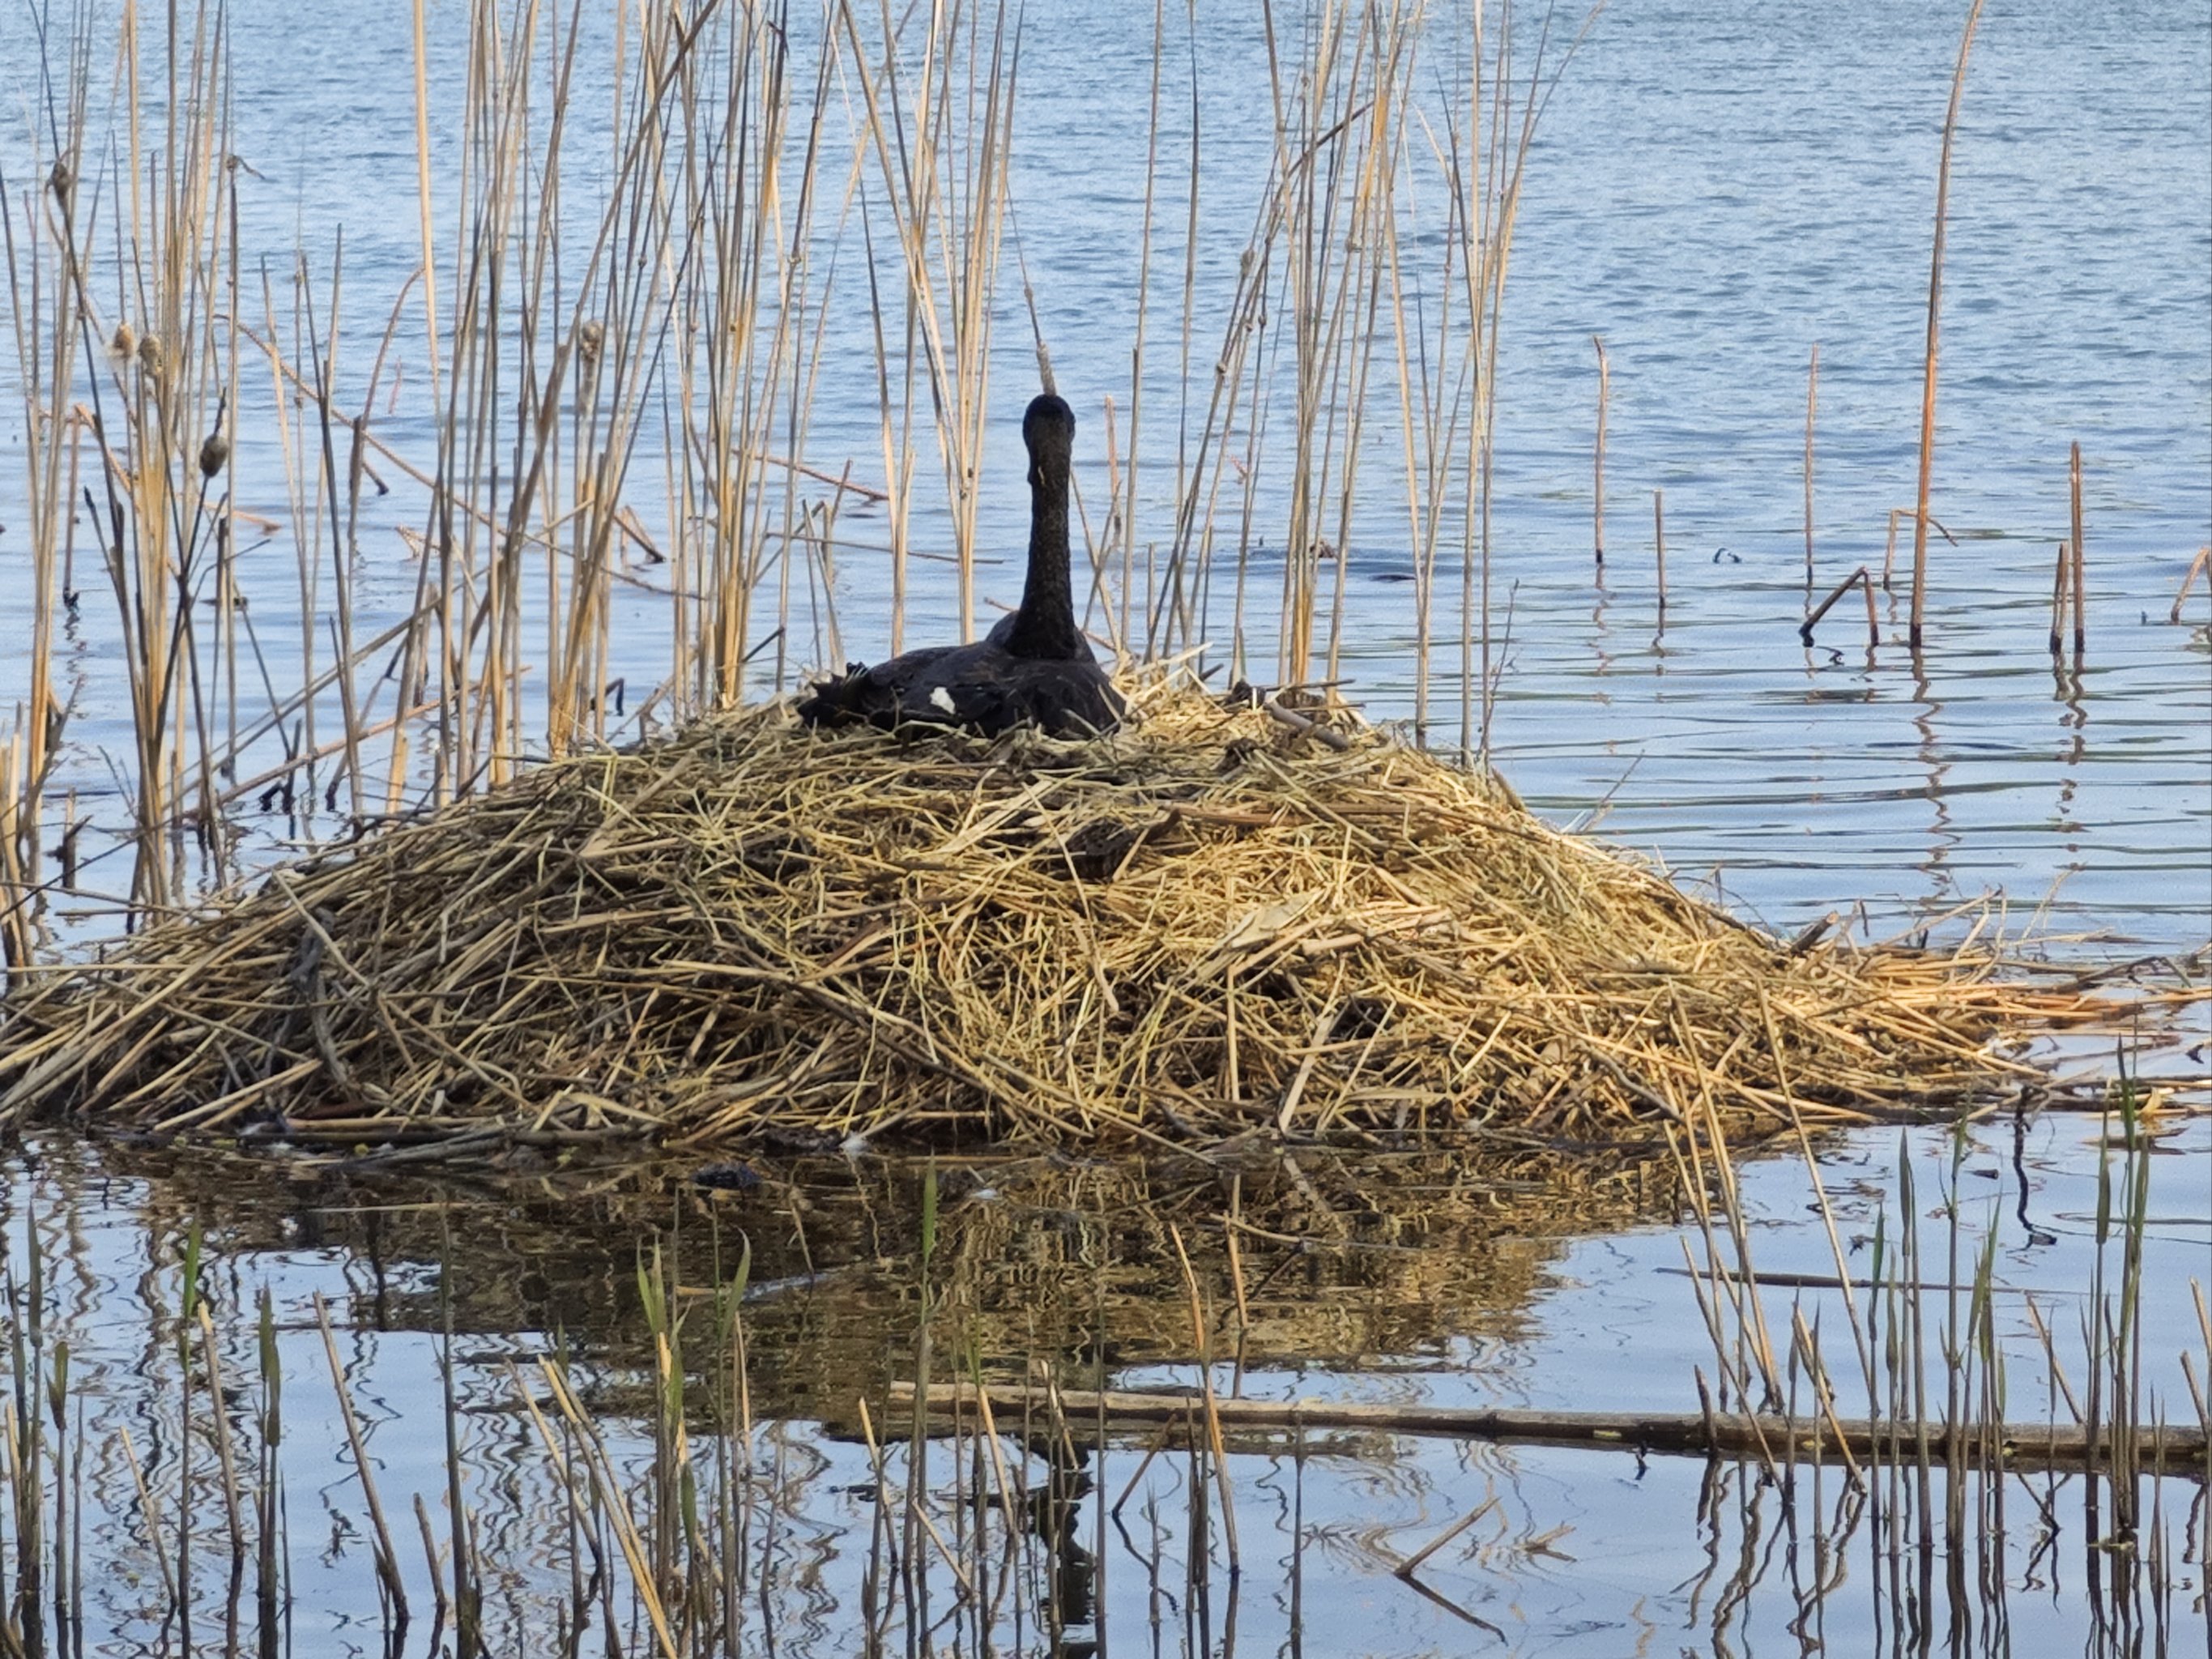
{"type": "Point", "coordinates": [942, 699]}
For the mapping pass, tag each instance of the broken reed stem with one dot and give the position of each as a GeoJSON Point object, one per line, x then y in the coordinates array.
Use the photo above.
{"type": "Point", "coordinates": [2197, 567]}
{"type": "Point", "coordinates": [1934, 305]}
{"type": "Point", "coordinates": [2058, 596]}
{"type": "Point", "coordinates": [1860, 579]}
{"type": "Point", "coordinates": [1597, 464]}
{"type": "Point", "coordinates": [1412, 1564]}
{"type": "Point", "coordinates": [1812, 403]}
{"type": "Point", "coordinates": [2081, 596]}
{"type": "Point", "coordinates": [1889, 550]}
{"type": "Point", "coordinates": [1659, 547]}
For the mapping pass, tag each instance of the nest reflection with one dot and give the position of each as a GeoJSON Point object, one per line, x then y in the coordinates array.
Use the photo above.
{"type": "Point", "coordinates": [1314, 1259]}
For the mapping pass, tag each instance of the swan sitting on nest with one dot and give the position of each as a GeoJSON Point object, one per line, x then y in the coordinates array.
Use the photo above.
{"type": "Point", "coordinates": [1035, 667]}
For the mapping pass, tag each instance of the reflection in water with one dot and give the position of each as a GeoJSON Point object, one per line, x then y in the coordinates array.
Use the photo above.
{"type": "Point", "coordinates": [2073, 720]}
{"type": "Point", "coordinates": [669, 1395]}
{"type": "Point", "coordinates": [1600, 658]}
{"type": "Point", "coordinates": [1942, 835]}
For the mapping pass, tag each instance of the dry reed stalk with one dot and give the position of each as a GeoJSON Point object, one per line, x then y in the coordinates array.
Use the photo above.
{"type": "Point", "coordinates": [18, 891]}
{"type": "Point", "coordinates": [609, 1492]}
{"type": "Point", "coordinates": [1176, 612]}
{"type": "Point", "coordinates": [1501, 152]}
{"type": "Point", "coordinates": [753, 930]}
{"type": "Point", "coordinates": [152, 411]}
{"type": "Point", "coordinates": [1202, 1347]}
{"type": "Point", "coordinates": [49, 335]}
{"type": "Point", "coordinates": [1337, 158]}
{"type": "Point", "coordinates": [1427, 449]}
{"type": "Point", "coordinates": [1934, 299]}
{"type": "Point", "coordinates": [1889, 547]}
{"type": "Point", "coordinates": [2197, 567]}
{"type": "Point", "coordinates": [1126, 498]}
{"type": "Point", "coordinates": [1812, 404]}
{"type": "Point", "coordinates": [2058, 596]}
{"type": "Point", "coordinates": [1406, 1568]}
{"type": "Point", "coordinates": [1597, 453]}
{"type": "Point", "coordinates": [1659, 548]}
{"type": "Point", "coordinates": [423, 190]}
{"type": "Point", "coordinates": [390, 1580]}
{"type": "Point", "coordinates": [942, 163]}
{"type": "Point", "coordinates": [2081, 596]}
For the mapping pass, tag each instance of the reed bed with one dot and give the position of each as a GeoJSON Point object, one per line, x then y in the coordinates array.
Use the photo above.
{"type": "Point", "coordinates": [562, 401]}
{"type": "Point", "coordinates": [1226, 921]}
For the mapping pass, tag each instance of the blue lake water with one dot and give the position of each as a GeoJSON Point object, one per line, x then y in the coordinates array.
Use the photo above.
{"type": "Point", "coordinates": [1714, 190]}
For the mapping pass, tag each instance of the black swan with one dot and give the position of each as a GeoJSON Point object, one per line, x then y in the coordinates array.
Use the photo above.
{"type": "Point", "coordinates": [1035, 666]}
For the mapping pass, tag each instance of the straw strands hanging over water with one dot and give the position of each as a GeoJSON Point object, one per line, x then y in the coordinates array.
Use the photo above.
{"type": "Point", "coordinates": [1212, 925]}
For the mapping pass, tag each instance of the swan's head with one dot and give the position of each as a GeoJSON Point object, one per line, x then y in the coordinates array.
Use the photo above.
{"type": "Point", "coordinates": [1049, 428]}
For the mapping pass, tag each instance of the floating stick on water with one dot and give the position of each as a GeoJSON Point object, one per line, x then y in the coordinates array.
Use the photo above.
{"type": "Point", "coordinates": [2024, 1445]}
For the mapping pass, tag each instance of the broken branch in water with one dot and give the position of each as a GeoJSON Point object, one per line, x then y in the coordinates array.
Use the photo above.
{"type": "Point", "coordinates": [2179, 1448]}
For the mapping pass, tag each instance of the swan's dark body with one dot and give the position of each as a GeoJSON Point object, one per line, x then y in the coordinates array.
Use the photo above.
{"type": "Point", "coordinates": [1034, 668]}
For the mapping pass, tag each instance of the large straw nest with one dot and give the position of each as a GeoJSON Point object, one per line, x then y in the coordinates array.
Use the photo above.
{"type": "Point", "coordinates": [1210, 923]}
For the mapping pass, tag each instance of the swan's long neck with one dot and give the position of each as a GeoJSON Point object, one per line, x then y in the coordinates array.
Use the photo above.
{"type": "Point", "coordinates": [1045, 625]}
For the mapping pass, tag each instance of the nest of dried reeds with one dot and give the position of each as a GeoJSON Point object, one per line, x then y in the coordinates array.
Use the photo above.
{"type": "Point", "coordinates": [1210, 923]}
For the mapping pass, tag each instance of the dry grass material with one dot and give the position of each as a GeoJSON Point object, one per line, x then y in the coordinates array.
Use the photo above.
{"type": "Point", "coordinates": [1213, 924]}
